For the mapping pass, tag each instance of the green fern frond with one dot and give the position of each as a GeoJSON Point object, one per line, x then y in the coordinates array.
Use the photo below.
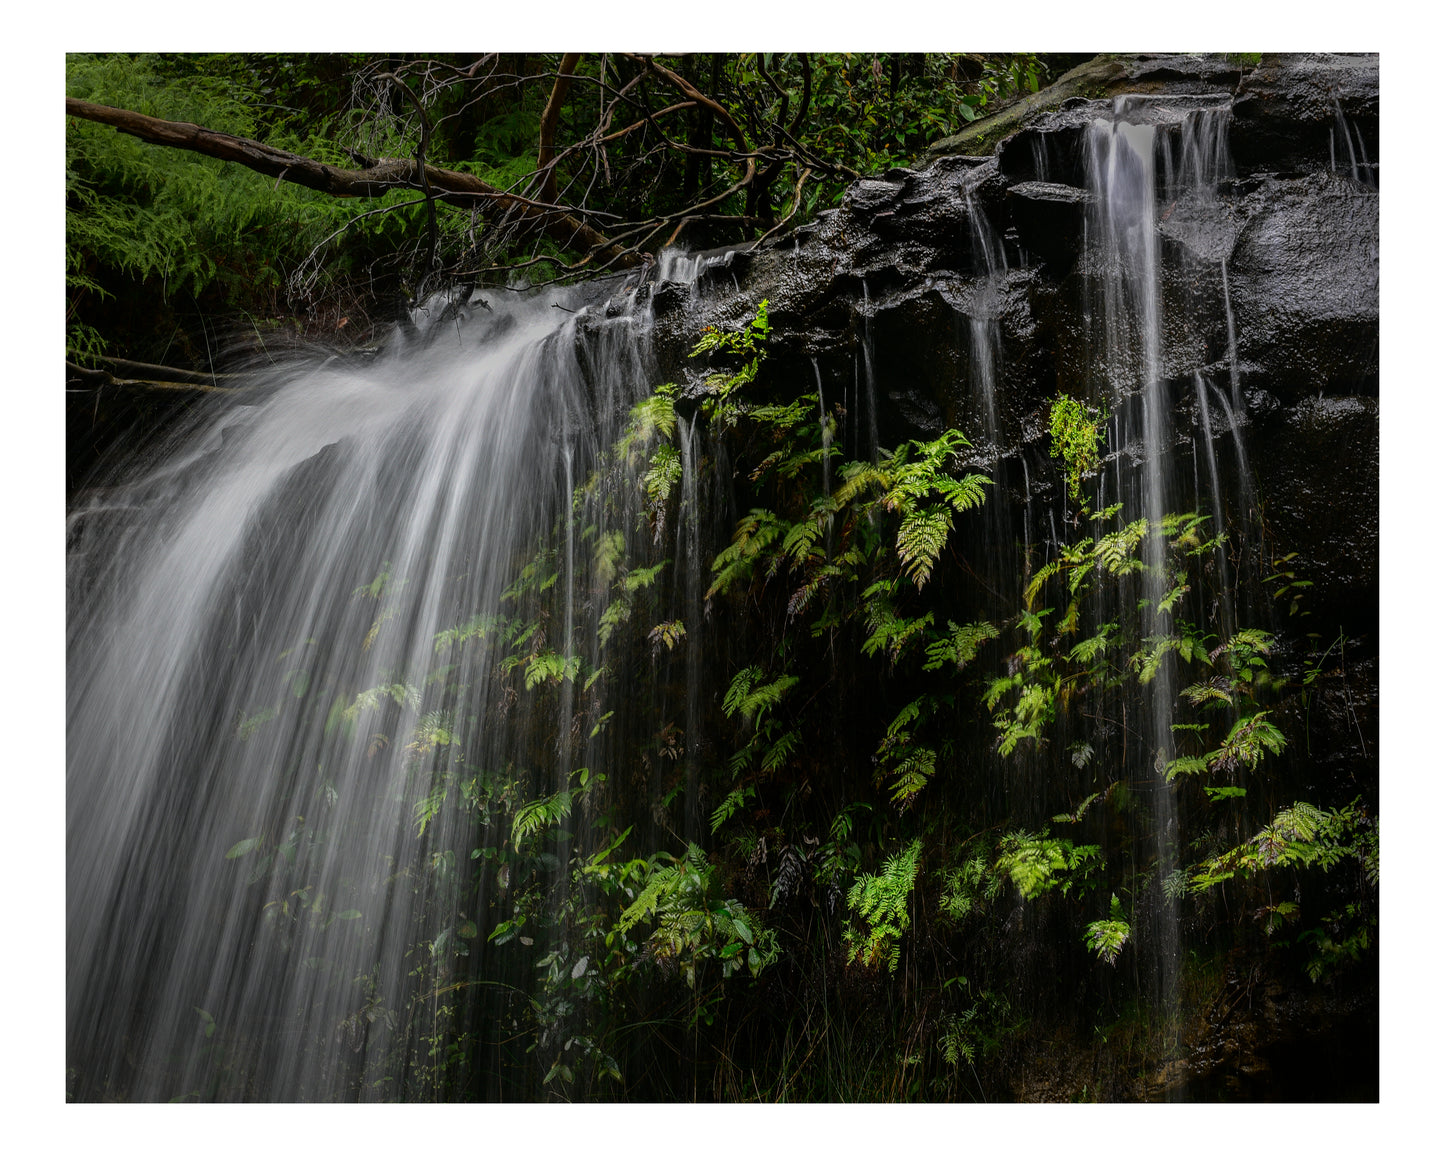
{"type": "Point", "coordinates": [729, 807]}
{"type": "Point", "coordinates": [912, 775]}
{"type": "Point", "coordinates": [881, 901]}
{"type": "Point", "coordinates": [1106, 937]}
{"type": "Point", "coordinates": [549, 666]}
{"type": "Point", "coordinates": [1091, 648]}
{"type": "Point", "coordinates": [921, 539]}
{"type": "Point", "coordinates": [401, 693]}
{"type": "Point", "coordinates": [960, 646]}
{"type": "Point", "coordinates": [540, 814]}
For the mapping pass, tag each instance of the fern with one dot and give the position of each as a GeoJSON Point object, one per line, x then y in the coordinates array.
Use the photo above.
{"type": "Point", "coordinates": [960, 645]}
{"type": "Point", "coordinates": [540, 814]}
{"type": "Point", "coordinates": [1185, 765]}
{"type": "Point", "coordinates": [432, 731]}
{"type": "Point", "coordinates": [729, 807]}
{"type": "Point", "coordinates": [1106, 937]}
{"type": "Point", "coordinates": [667, 634]}
{"type": "Point", "coordinates": [549, 666]}
{"type": "Point", "coordinates": [1038, 863]}
{"type": "Point", "coordinates": [881, 901]}
{"type": "Point", "coordinates": [911, 775]}
{"type": "Point", "coordinates": [750, 697]}
{"type": "Point", "coordinates": [921, 539]}
{"type": "Point", "coordinates": [665, 472]}
{"type": "Point", "coordinates": [401, 693]}
{"type": "Point", "coordinates": [1115, 552]}
{"type": "Point", "coordinates": [969, 887]}
{"type": "Point", "coordinates": [1247, 743]}
{"type": "Point", "coordinates": [1092, 648]}
{"type": "Point", "coordinates": [479, 626]}
{"type": "Point", "coordinates": [754, 534]}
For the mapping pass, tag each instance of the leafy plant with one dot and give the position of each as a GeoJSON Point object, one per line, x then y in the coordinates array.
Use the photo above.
{"type": "Point", "coordinates": [1077, 435]}
{"type": "Point", "coordinates": [1106, 937]}
{"type": "Point", "coordinates": [881, 901]}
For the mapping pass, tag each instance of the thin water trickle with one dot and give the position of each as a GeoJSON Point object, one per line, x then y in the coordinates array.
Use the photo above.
{"type": "Point", "coordinates": [870, 384]}
{"type": "Point", "coordinates": [825, 431]}
{"type": "Point", "coordinates": [1216, 505]}
{"type": "Point", "coordinates": [1233, 349]}
{"type": "Point", "coordinates": [689, 556]}
{"type": "Point", "coordinates": [1359, 162]}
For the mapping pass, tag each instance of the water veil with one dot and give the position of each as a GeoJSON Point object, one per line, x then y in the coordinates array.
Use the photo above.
{"type": "Point", "coordinates": [280, 637]}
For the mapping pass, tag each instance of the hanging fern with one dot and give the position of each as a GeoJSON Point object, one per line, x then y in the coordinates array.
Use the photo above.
{"type": "Point", "coordinates": [960, 646]}
{"type": "Point", "coordinates": [750, 697]}
{"type": "Point", "coordinates": [540, 814]}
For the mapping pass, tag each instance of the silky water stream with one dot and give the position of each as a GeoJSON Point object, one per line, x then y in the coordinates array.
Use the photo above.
{"type": "Point", "coordinates": [279, 640]}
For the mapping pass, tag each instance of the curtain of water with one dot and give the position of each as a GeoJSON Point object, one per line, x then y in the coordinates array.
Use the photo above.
{"type": "Point", "coordinates": [264, 696]}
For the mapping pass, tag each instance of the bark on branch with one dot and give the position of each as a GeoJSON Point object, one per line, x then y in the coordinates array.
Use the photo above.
{"type": "Point", "coordinates": [381, 177]}
{"type": "Point", "coordinates": [548, 131]}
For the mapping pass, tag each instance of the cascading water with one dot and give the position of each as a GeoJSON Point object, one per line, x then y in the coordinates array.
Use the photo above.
{"type": "Point", "coordinates": [253, 862]}
{"type": "Point", "coordinates": [991, 264]}
{"type": "Point", "coordinates": [1351, 145]}
{"type": "Point", "coordinates": [1122, 178]}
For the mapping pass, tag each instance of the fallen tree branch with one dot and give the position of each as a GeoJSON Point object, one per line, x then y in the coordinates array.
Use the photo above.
{"type": "Point", "coordinates": [93, 379]}
{"type": "Point", "coordinates": [382, 177]}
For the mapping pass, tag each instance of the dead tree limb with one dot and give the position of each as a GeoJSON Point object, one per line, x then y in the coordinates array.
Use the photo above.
{"type": "Point", "coordinates": [373, 181]}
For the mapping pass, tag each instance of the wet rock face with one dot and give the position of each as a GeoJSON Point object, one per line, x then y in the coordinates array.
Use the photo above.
{"type": "Point", "coordinates": [1306, 267]}
{"type": "Point", "coordinates": [1266, 224]}
{"type": "Point", "coordinates": [1291, 111]}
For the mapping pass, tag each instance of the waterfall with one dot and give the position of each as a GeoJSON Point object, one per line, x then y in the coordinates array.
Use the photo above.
{"type": "Point", "coordinates": [990, 264]}
{"type": "Point", "coordinates": [689, 558]}
{"type": "Point", "coordinates": [1122, 176]}
{"type": "Point", "coordinates": [297, 628]}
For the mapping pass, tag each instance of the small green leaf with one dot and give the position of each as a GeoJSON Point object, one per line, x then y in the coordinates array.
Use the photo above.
{"type": "Point", "coordinates": [351, 913]}
{"type": "Point", "coordinates": [244, 847]}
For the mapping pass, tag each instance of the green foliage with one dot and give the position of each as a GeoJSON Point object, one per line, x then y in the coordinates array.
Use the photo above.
{"type": "Point", "coordinates": [751, 697]}
{"type": "Point", "coordinates": [159, 221]}
{"type": "Point", "coordinates": [540, 814]}
{"type": "Point", "coordinates": [881, 901]}
{"type": "Point", "coordinates": [1300, 835]}
{"type": "Point", "coordinates": [969, 888]}
{"type": "Point", "coordinates": [1077, 435]}
{"type": "Point", "coordinates": [1106, 937]}
{"type": "Point", "coordinates": [1037, 863]}
{"type": "Point", "coordinates": [694, 924]}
